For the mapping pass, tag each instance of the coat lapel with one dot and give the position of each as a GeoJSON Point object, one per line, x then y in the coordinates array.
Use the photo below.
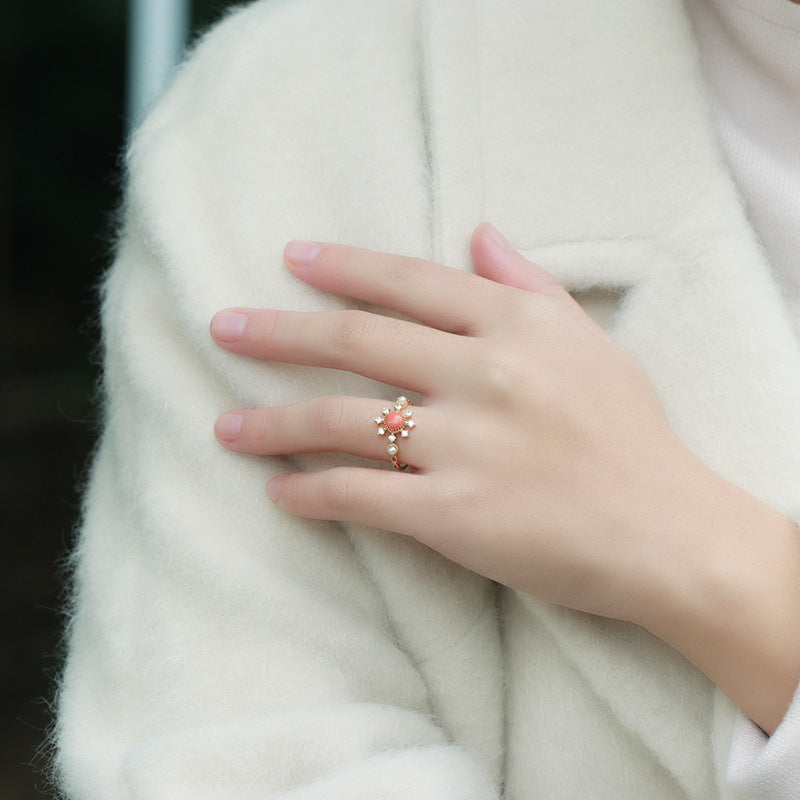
{"type": "Point", "coordinates": [580, 129]}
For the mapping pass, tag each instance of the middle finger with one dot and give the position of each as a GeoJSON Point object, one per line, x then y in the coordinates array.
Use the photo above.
{"type": "Point", "coordinates": [389, 350]}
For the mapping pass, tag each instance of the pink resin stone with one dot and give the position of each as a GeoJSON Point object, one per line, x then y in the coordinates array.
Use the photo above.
{"type": "Point", "coordinates": [394, 421]}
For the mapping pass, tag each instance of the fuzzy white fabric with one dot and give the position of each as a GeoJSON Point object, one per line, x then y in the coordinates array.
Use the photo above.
{"type": "Point", "coordinates": [221, 649]}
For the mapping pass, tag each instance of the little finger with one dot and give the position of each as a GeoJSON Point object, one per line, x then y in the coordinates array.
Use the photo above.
{"type": "Point", "coordinates": [378, 498]}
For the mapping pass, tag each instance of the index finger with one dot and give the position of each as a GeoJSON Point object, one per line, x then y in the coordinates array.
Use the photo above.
{"type": "Point", "coordinates": [440, 297]}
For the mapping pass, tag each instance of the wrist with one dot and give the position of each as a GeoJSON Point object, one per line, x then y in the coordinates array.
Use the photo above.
{"type": "Point", "coordinates": [728, 594]}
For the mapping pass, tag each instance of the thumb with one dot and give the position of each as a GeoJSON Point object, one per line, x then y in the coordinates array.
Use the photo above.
{"type": "Point", "coordinates": [495, 259]}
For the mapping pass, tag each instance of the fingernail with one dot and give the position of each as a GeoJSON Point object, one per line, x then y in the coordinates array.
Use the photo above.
{"type": "Point", "coordinates": [499, 239]}
{"type": "Point", "coordinates": [301, 254]}
{"type": "Point", "coordinates": [274, 488]}
{"type": "Point", "coordinates": [228, 326]}
{"type": "Point", "coordinates": [228, 426]}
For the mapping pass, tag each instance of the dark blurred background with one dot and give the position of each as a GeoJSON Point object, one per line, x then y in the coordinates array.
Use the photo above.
{"type": "Point", "coordinates": [62, 132]}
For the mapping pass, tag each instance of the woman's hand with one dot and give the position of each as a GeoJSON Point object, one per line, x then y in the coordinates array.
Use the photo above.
{"type": "Point", "coordinates": [541, 455]}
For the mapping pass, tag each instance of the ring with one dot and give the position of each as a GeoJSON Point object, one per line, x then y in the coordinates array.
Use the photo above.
{"type": "Point", "coordinates": [396, 423]}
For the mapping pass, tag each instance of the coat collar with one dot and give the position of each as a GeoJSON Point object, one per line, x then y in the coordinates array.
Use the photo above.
{"type": "Point", "coordinates": [583, 124]}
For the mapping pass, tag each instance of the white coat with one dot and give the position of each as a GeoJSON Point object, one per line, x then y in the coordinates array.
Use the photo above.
{"type": "Point", "coordinates": [221, 649]}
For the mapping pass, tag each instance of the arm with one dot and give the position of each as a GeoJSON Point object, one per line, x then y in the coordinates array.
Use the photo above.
{"type": "Point", "coordinates": [734, 607]}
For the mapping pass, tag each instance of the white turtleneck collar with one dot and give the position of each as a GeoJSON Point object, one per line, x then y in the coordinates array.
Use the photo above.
{"type": "Point", "coordinates": [750, 56]}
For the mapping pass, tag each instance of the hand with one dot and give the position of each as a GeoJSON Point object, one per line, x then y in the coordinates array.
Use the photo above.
{"type": "Point", "coordinates": [542, 457]}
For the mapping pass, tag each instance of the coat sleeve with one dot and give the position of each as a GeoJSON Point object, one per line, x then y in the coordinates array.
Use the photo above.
{"type": "Point", "coordinates": [765, 767]}
{"type": "Point", "coordinates": [218, 648]}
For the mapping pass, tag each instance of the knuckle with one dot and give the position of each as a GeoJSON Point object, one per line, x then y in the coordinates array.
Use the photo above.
{"type": "Point", "coordinates": [404, 271]}
{"type": "Point", "coordinates": [502, 374]}
{"type": "Point", "coordinates": [260, 426]}
{"type": "Point", "coordinates": [266, 330]}
{"type": "Point", "coordinates": [339, 491]}
{"type": "Point", "coordinates": [328, 416]}
{"type": "Point", "coordinates": [350, 330]}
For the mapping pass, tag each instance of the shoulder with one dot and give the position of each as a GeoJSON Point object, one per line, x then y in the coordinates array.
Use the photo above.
{"type": "Point", "coordinates": [284, 71]}
{"type": "Point", "coordinates": [284, 104]}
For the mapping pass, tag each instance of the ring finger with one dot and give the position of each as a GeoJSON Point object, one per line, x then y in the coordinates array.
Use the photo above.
{"type": "Point", "coordinates": [327, 424]}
